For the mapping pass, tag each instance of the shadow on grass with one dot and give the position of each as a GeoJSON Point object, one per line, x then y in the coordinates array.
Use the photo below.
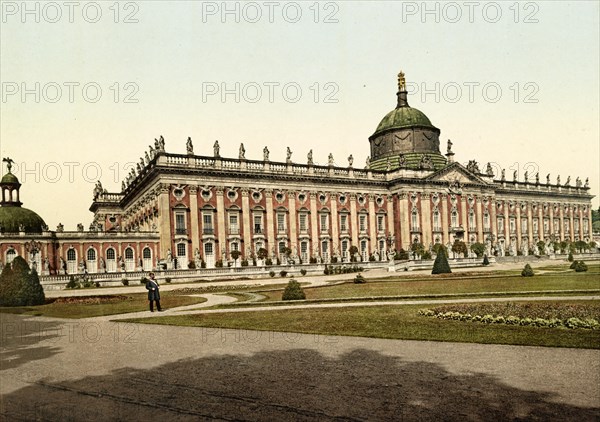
{"type": "Point", "coordinates": [280, 385]}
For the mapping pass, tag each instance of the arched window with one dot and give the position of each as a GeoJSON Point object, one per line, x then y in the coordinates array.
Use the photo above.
{"type": "Point", "coordinates": [91, 254]}
{"type": "Point", "coordinates": [71, 255]}
{"type": "Point", "coordinates": [71, 261]}
{"type": "Point", "coordinates": [129, 260]}
{"type": "Point", "coordinates": [147, 259]}
{"type": "Point", "coordinates": [111, 260]}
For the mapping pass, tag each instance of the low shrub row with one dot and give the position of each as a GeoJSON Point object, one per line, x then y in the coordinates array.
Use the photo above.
{"type": "Point", "coordinates": [342, 269]}
{"type": "Point", "coordinates": [573, 322]}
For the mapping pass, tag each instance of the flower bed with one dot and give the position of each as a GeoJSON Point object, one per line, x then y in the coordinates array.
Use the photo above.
{"type": "Point", "coordinates": [526, 314]}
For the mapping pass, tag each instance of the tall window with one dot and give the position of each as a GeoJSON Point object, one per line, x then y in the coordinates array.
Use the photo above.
{"type": "Point", "coordinates": [281, 222]}
{"type": "Point", "coordinates": [302, 219]}
{"type": "Point", "coordinates": [233, 224]}
{"type": "Point", "coordinates": [586, 226]}
{"type": "Point", "coordinates": [180, 223]}
{"type": "Point", "coordinates": [500, 224]}
{"type": "Point", "coordinates": [324, 222]}
{"type": "Point", "coordinates": [258, 224]}
{"type": "Point", "coordinates": [362, 223]}
{"type": "Point", "coordinates": [454, 219]}
{"type": "Point", "coordinates": [304, 250]}
{"type": "Point", "coordinates": [546, 225]}
{"type": "Point", "coordinates": [436, 220]}
{"type": "Point", "coordinates": [486, 221]}
{"type": "Point", "coordinates": [110, 254]}
{"type": "Point", "coordinates": [512, 225]}
{"type": "Point", "coordinates": [343, 223]}
{"type": "Point", "coordinates": [91, 254]}
{"type": "Point", "coordinates": [71, 255]}
{"type": "Point", "coordinates": [471, 220]}
{"type": "Point", "coordinates": [415, 219]}
{"type": "Point", "coordinates": [129, 261]}
{"type": "Point", "coordinates": [207, 223]}
{"type": "Point", "coordinates": [325, 248]}
{"type": "Point", "coordinates": [281, 247]}
{"type": "Point", "coordinates": [380, 223]}
{"type": "Point", "coordinates": [344, 248]}
{"type": "Point", "coordinates": [535, 225]}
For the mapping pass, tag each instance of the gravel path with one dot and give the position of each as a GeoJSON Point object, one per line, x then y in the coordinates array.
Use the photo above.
{"type": "Point", "coordinates": [103, 371]}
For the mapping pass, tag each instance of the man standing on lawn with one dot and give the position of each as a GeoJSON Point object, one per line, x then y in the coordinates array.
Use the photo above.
{"type": "Point", "coordinates": [153, 293]}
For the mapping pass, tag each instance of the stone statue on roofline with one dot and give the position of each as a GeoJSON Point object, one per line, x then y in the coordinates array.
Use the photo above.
{"type": "Point", "coordinates": [537, 178]}
{"type": "Point", "coordinates": [368, 162]}
{"type": "Point", "coordinates": [242, 152]}
{"type": "Point", "coordinates": [330, 159]}
{"type": "Point", "coordinates": [503, 175]}
{"type": "Point", "coordinates": [401, 161]}
{"type": "Point", "coordinates": [189, 146]}
{"type": "Point", "coordinates": [265, 154]}
{"type": "Point", "coordinates": [350, 160]}
{"type": "Point", "coordinates": [309, 157]}
{"type": "Point", "coordinates": [216, 149]}
{"type": "Point", "coordinates": [488, 170]}
{"type": "Point", "coordinates": [288, 155]}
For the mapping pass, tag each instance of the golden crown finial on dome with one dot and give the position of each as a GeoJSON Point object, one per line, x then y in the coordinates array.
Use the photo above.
{"type": "Point", "coordinates": [401, 81]}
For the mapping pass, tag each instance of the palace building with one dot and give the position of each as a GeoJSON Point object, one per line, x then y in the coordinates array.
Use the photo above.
{"type": "Point", "coordinates": [179, 209]}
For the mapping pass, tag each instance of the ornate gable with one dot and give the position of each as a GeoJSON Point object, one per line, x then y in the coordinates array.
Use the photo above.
{"type": "Point", "coordinates": [455, 173]}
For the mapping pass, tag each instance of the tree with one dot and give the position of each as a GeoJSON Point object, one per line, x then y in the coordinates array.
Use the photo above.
{"type": "Point", "coordinates": [478, 249]}
{"type": "Point", "coordinates": [527, 271]}
{"type": "Point", "coordinates": [235, 255]}
{"type": "Point", "coordinates": [262, 253]}
{"type": "Point", "coordinates": [293, 291]}
{"type": "Point", "coordinates": [570, 257]}
{"type": "Point", "coordinates": [580, 267]}
{"type": "Point", "coordinates": [439, 246]}
{"type": "Point", "coordinates": [417, 248]}
{"type": "Point", "coordinates": [459, 247]}
{"type": "Point", "coordinates": [541, 245]}
{"type": "Point", "coordinates": [440, 265]}
{"type": "Point", "coordinates": [20, 286]}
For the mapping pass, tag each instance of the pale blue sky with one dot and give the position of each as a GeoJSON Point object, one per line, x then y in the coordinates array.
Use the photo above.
{"type": "Point", "coordinates": [171, 52]}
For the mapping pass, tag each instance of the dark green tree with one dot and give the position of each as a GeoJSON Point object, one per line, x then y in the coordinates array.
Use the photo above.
{"type": "Point", "coordinates": [478, 249]}
{"type": "Point", "coordinates": [459, 247]}
{"type": "Point", "coordinates": [293, 291]}
{"type": "Point", "coordinates": [440, 265]}
{"type": "Point", "coordinates": [527, 271]}
{"type": "Point", "coordinates": [20, 286]}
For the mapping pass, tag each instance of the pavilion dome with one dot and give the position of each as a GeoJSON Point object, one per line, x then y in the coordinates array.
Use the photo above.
{"type": "Point", "coordinates": [13, 217]}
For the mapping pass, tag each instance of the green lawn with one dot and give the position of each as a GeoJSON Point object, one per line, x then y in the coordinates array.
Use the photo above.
{"type": "Point", "coordinates": [85, 307]}
{"type": "Point", "coordinates": [401, 286]}
{"type": "Point", "coordinates": [394, 322]}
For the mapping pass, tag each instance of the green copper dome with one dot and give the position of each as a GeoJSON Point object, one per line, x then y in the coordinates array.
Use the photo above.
{"type": "Point", "coordinates": [403, 117]}
{"type": "Point", "coordinates": [11, 218]}
{"type": "Point", "coordinates": [9, 178]}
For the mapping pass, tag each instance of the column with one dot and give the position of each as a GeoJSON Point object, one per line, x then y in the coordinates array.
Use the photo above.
{"type": "Point", "coordinates": [195, 232]}
{"type": "Point", "coordinates": [551, 219]}
{"type": "Point", "coordinates": [222, 238]}
{"type": "Point", "coordinates": [445, 222]}
{"type": "Point", "coordinates": [518, 225]}
{"type": "Point", "coordinates": [353, 220]}
{"type": "Point", "coordinates": [246, 223]}
{"type": "Point", "coordinates": [164, 215]}
{"type": "Point", "coordinates": [589, 216]}
{"type": "Point", "coordinates": [426, 219]}
{"type": "Point", "coordinates": [571, 225]}
{"type": "Point", "coordinates": [335, 234]}
{"type": "Point", "coordinates": [404, 221]}
{"type": "Point", "coordinates": [530, 224]}
{"type": "Point", "coordinates": [493, 219]}
{"type": "Point", "coordinates": [293, 219]}
{"type": "Point", "coordinates": [479, 218]}
{"type": "Point", "coordinates": [540, 216]}
{"type": "Point", "coordinates": [390, 215]}
{"type": "Point", "coordinates": [270, 220]}
{"type": "Point", "coordinates": [464, 212]}
{"type": "Point", "coordinates": [580, 207]}
{"type": "Point", "coordinates": [507, 233]}
{"type": "Point", "coordinates": [372, 224]}
{"type": "Point", "coordinates": [561, 226]}
{"type": "Point", "coordinates": [314, 233]}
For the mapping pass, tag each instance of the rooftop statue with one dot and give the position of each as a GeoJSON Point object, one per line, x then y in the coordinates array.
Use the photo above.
{"type": "Point", "coordinates": [309, 157]}
{"type": "Point", "coordinates": [189, 147]}
{"type": "Point", "coordinates": [9, 162]}
{"type": "Point", "coordinates": [350, 160]}
{"type": "Point", "coordinates": [330, 159]}
{"type": "Point", "coordinates": [216, 149]}
{"type": "Point", "coordinates": [242, 154]}
{"type": "Point", "coordinates": [288, 155]}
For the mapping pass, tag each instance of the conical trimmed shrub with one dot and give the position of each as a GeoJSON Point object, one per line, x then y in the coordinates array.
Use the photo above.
{"type": "Point", "coordinates": [441, 265]}
{"type": "Point", "coordinates": [527, 271]}
{"type": "Point", "coordinates": [293, 291]}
